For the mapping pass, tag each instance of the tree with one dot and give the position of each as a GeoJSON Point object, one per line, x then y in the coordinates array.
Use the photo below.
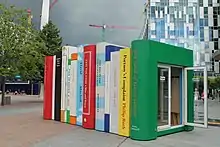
{"type": "Point", "coordinates": [19, 45]}
{"type": "Point", "coordinates": [50, 34]}
{"type": "Point", "coordinates": [51, 37]}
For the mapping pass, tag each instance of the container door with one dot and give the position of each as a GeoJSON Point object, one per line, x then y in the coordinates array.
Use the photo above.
{"type": "Point", "coordinates": [195, 84]}
{"type": "Point", "coordinates": [164, 97]}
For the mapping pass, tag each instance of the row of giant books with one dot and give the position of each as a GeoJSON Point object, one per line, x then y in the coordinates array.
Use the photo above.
{"type": "Point", "coordinates": [89, 86]}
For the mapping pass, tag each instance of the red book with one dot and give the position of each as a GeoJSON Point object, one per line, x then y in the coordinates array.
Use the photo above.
{"type": "Point", "coordinates": [89, 87]}
{"type": "Point", "coordinates": [48, 85]}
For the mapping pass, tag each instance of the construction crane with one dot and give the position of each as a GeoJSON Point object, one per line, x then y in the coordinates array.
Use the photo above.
{"type": "Point", "coordinates": [104, 27]}
{"type": "Point", "coordinates": [52, 4]}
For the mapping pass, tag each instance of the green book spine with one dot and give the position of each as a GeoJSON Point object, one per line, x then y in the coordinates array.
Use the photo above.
{"type": "Point", "coordinates": [143, 103]}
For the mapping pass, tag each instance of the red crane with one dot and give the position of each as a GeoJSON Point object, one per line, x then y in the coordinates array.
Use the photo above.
{"type": "Point", "coordinates": [53, 3]}
{"type": "Point", "coordinates": [104, 27]}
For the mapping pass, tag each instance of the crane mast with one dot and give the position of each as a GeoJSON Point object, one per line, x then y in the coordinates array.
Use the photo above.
{"type": "Point", "coordinates": [145, 30]}
{"type": "Point", "coordinates": [45, 14]}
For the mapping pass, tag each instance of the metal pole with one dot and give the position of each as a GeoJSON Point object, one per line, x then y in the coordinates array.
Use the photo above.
{"type": "Point", "coordinates": [3, 91]}
{"type": "Point", "coordinates": [103, 32]}
{"type": "Point", "coordinates": [45, 13]}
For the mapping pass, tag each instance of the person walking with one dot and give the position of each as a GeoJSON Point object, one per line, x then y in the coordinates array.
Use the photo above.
{"type": "Point", "coordinates": [202, 97]}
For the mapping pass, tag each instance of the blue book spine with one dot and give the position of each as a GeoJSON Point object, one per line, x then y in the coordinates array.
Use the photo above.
{"type": "Point", "coordinates": [80, 74]}
{"type": "Point", "coordinates": [100, 90]}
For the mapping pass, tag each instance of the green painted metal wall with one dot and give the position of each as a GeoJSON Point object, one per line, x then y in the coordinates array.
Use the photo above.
{"type": "Point", "coordinates": [146, 55]}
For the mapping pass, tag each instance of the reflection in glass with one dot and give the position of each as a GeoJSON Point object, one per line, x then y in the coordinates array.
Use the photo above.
{"type": "Point", "coordinates": [163, 95]}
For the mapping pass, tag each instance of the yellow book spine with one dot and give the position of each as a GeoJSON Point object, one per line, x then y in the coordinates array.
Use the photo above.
{"type": "Point", "coordinates": [124, 92]}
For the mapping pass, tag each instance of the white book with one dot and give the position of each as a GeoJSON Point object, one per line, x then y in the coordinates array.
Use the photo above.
{"type": "Point", "coordinates": [114, 94]}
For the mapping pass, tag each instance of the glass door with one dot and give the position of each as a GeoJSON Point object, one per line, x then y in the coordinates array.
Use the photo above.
{"type": "Point", "coordinates": [195, 97]}
{"type": "Point", "coordinates": [164, 97]}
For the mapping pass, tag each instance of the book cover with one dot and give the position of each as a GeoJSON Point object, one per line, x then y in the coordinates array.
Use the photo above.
{"type": "Point", "coordinates": [64, 85]}
{"type": "Point", "coordinates": [108, 50]}
{"type": "Point", "coordinates": [53, 87]}
{"type": "Point", "coordinates": [58, 74]}
{"type": "Point", "coordinates": [114, 94]}
{"type": "Point", "coordinates": [80, 74]}
{"type": "Point", "coordinates": [72, 85]}
{"type": "Point", "coordinates": [100, 85]}
{"type": "Point", "coordinates": [124, 92]}
{"type": "Point", "coordinates": [48, 86]}
{"type": "Point", "coordinates": [89, 86]}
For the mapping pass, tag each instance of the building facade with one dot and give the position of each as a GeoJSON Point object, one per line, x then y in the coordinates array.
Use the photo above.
{"type": "Point", "coordinates": [190, 24]}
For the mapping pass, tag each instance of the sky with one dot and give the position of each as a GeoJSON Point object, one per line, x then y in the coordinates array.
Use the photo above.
{"type": "Point", "coordinates": [73, 17]}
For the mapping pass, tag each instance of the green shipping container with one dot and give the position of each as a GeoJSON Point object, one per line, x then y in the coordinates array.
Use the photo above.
{"type": "Point", "coordinates": [146, 55]}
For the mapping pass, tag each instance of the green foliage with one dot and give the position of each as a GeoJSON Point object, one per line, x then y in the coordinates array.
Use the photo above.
{"type": "Point", "coordinates": [20, 45]}
{"type": "Point", "coordinates": [51, 36]}
{"type": "Point", "coordinates": [213, 82]}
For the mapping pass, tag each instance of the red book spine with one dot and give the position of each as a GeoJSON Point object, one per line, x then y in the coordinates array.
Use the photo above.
{"type": "Point", "coordinates": [89, 86]}
{"type": "Point", "coordinates": [48, 84]}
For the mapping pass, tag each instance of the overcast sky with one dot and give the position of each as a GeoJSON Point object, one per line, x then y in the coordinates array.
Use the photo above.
{"type": "Point", "coordinates": [74, 16]}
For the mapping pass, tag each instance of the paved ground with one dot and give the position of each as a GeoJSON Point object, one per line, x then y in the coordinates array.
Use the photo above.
{"type": "Point", "coordinates": [22, 125]}
{"type": "Point", "coordinates": [213, 110]}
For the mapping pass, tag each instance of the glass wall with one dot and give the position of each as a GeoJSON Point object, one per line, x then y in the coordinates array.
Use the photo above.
{"type": "Point", "coordinates": [176, 22]}
{"type": "Point", "coordinates": [192, 24]}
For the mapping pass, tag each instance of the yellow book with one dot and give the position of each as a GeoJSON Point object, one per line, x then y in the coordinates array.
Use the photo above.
{"type": "Point", "coordinates": [124, 92]}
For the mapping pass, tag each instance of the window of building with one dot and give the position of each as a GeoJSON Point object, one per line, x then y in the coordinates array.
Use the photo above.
{"type": "Point", "coordinates": [210, 34]}
{"type": "Point", "coordinates": [206, 45]}
{"type": "Point", "coordinates": [215, 11]}
{"type": "Point", "coordinates": [215, 45]}
{"type": "Point", "coordinates": [209, 3]}
{"type": "Point", "coordinates": [201, 3]}
{"type": "Point", "coordinates": [215, 22]}
{"type": "Point", "coordinates": [201, 23]}
{"type": "Point", "coordinates": [191, 33]}
{"type": "Point", "coordinates": [202, 33]}
{"type": "Point", "coordinates": [218, 33]}
{"type": "Point", "coordinates": [205, 22]}
{"type": "Point", "coordinates": [206, 16]}
{"type": "Point", "coordinates": [190, 10]}
{"type": "Point", "coordinates": [206, 10]}
{"type": "Point", "coordinates": [153, 32]}
{"type": "Point", "coordinates": [153, 11]}
{"type": "Point", "coordinates": [171, 10]}
{"type": "Point", "coordinates": [172, 17]}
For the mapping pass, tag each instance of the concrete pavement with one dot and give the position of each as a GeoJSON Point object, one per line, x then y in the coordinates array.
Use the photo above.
{"type": "Point", "coordinates": [22, 126]}
{"type": "Point", "coordinates": [87, 138]}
